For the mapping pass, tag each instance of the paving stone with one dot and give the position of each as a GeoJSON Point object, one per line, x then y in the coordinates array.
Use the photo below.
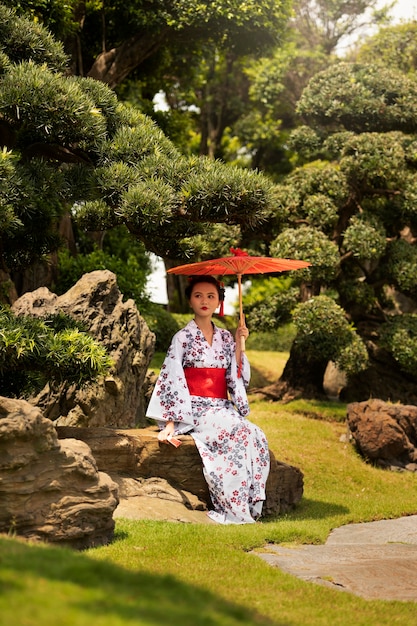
{"type": "Point", "coordinates": [376, 560]}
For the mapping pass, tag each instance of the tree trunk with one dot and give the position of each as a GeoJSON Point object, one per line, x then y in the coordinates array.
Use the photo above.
{"type": "Point", "coordinates": [382, 379]}
{"type": "Point", "coordinates": [300, 379]}
{"type": "Point", "coordinates": [176, 284]}
{"type": "Point", "coordinates": [113, 66]}
{"type": "Point", "coordinates": [8, 292]}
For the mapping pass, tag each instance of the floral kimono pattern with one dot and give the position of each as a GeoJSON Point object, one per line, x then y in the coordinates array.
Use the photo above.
{"type": "Point", "coordinates": [234, 451]}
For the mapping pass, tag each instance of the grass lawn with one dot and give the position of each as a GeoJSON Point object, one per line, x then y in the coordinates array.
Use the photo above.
{"type": "Point", "coordinates": [162, 573]}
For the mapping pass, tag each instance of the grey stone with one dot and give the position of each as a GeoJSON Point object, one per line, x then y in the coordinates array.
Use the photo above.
{"type": "Point", "coordinates": [50, 490]}
{"type": "Point", "coordinates": [119, 399]}
{"type": "Point", "coordinates": [375, 560]}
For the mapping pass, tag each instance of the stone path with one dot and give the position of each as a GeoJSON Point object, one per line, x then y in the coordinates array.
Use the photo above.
{"type": "Point", "coordinates": [376, 560]}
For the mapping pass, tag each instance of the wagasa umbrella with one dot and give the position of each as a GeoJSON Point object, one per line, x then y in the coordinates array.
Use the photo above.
{"type": "Point", "coordinates": [240, 263]}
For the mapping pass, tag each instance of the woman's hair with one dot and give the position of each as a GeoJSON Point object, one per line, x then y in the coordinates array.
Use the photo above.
{"type": "Point", "coordinates": [195, 280]}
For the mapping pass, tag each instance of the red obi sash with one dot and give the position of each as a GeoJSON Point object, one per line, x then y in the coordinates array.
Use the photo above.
{"type": "Point", "coordinates": [208, 382]}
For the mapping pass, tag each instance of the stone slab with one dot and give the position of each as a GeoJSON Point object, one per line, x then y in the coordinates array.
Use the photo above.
{"type": "Point", "coordinates": [375, 560]}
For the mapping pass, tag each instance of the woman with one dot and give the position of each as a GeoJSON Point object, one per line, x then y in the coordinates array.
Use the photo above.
{"type": "Point", "coordinates": [201, 390]}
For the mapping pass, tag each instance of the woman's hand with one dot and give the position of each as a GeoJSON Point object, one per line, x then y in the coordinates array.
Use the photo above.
{"type": "Point", "coordinates": [242, 333]}
{"type": "Point", "coordinates": [166, 432]}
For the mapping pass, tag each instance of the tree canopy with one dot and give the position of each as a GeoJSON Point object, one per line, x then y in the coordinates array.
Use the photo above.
{"type": "Point", "coordinates": [70, 145]}
{"type": "Point", "coordinates": [350, 209]}
{"type": "Point", "coordinates": [107, 41]}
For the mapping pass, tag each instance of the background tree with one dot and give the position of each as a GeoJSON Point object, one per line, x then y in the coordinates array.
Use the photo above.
{"type": "Point", "coordinates": [314, 40]}
{"type": "Point", "coordinates": [69, 142]}
{"type": "Point", "coordinates": [350, 210]}
{"type": "Point", "coordinates": [392, 46]}
{"type": "Point", "coordinates": [108, 41]}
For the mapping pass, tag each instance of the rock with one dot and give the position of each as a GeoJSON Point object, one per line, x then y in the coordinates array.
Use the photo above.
{"type": "Point", "coordinates": [137, 453]}
{"type": "Point", "coordinates": [374, 560]}
{"type": "Point", "coordinates": [155, 498]}
{"type": "Point", "coordinates": [50, 490]}
{"type": "Point", "coordinates": [118, 400]}
{"type": "Point", "coordinates": [334, 381]}
{"type": "Point", "coordinates": [384, 433]}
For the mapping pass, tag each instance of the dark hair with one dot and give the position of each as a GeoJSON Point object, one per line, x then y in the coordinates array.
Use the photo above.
{"type": "Point", "coordinates": [195, 280]}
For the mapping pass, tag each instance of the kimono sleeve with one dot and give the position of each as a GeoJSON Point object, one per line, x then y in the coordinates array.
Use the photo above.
{"type": "Point", "coordinates": [170, 400]}
{"type": "Point", "coordinates": [237, 384]}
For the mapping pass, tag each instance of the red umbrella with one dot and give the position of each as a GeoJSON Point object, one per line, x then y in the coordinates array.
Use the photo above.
{"type": "Point", "coordinates": [239, 263]}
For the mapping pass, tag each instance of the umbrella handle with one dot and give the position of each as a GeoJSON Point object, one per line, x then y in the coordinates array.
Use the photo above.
{"type": "Point", "coordinates": [241, 317]}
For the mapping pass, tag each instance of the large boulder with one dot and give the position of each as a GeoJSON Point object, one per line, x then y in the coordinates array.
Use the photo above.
{"type": "Point", "coordinates": [385, 433]}
{"type": "Point", "coordinates": [119, 399]}
{"type": "Point", "coordinates": [51, 490]}
{"type": "Point", "coordinates": [138, 453]}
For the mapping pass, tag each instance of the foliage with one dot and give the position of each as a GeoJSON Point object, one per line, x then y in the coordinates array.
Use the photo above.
{"type": "Point", "coordinates": [268, 304]}
{"type": "Point", "coordinates": [392, 47]}
{"type": "Point", "coordinates": [120, 254]}
{"type": "Point", "coordinates": [54, 349]}
{"type": "Point", "coordinates": [402, 266]}
{"type": "Point", "coordinates": [349, 208]}
{"type": "Point", "coordinates": [323, 334]}
{"type": "Point", "coordinates": [131, 277]}
{"type": "Point", "coordinates": [29, 41]}
{"type": "Point", "coordinates": [31, 203]}
{"type": "Point", "coordinates": [399, 336]}
{"type": "Point", "coordinates": [277, 340]}
{"type": "Point", "coordinates": [59, 17]}
{"type": "Point", "coordinates": [359, 97]}
{"type": "Point", "coordinates": [309, 244]}
{"type": "Point", "coordinates": [71, 144]}
{"type": "Point", "coordinates": [313, 39]}
{"type": "Point", "coordinates": [365, 237]}
{"type": "Point", "coordinates": [162, 323]}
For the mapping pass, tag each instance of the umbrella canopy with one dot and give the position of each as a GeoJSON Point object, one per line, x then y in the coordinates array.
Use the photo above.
{"type": "Point", "coordinates": [239, 264]}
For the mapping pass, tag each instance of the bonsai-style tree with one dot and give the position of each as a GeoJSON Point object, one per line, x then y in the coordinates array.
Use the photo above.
{"type": "Point", "coordinates": [350, 208]}
{"type": "Point", "coordinates": [69, 147]}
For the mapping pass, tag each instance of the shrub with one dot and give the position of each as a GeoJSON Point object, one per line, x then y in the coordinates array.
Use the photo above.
{"type": "Point", "coordinates": [324, 334]}
{"type": "Point", "coordinates": [162, 323]}
{"type": "Point", "coordinates": [54, 349]}
{"type": "Point", "coordinates": [399, 336]}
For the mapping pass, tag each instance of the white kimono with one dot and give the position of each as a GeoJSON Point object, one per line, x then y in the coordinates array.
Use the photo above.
{"type": "Point", "coordinates": [234, 451]}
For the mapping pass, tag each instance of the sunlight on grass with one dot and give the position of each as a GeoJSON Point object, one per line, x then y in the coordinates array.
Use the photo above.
{"type": "Point", "coordinates": [266, 367]}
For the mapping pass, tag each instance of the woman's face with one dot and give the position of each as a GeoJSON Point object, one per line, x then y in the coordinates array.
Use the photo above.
{"type": "Point", "coordinates": [204, 299]}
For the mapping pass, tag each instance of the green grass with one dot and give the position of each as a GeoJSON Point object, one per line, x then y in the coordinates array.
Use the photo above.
{"type": "Point", "coordinates": [162, 573]}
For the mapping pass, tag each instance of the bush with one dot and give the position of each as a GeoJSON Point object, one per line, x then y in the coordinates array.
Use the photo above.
{"type": "Point", "coordinates": [162, 323]}
{"type": "Point", "coordinates": [279, 340]}
{"type": "Point", "coordinates": [399, 336]}
{"type": "Point", "coordinates": [131, 278]}
{"type": "Point", "coordinates": [122, 254]}
{"type": "Point", "coordinates": [54, 349]}
{"type": "Point", "coordinates": [324, 334]}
